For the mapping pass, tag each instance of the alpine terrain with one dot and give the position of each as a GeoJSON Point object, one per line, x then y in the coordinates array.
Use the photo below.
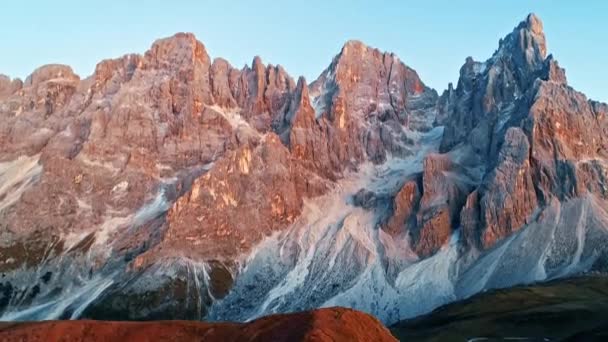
{"type": "Point", "coordinates": [170, 185]}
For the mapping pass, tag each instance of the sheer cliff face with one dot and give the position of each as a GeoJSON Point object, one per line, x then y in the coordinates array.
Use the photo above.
{"type": "Point", "coordinates": [170, 185]}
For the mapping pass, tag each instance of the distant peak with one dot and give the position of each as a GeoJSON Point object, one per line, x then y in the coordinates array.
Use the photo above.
{"type": "Point", "coordinates": [354, 43]}
{"type": "Point", "coordinates": [257, 61]}
{"type": "Point", "coordinates": [534, 24]}
{"type": "Point", "coordinates": [355, 49]}
{"type": "Point", "coordinates": [302, 82]}
{"type": "Point", "coordinates": [187, 37]}
{"type": "Point", "coordinates": [180, 47]}
{"type": "Point", "coordinates": [221, 61]}
{"type": "Point", "coordinates": [526, 43]}
{"type": "Point", "coordinates": [302, 91]}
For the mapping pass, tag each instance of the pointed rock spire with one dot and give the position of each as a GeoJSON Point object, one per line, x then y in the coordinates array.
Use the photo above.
{"type": "Point", "coordinates": [534, 23]}
{"type": "Point", "coordinates": [301, 114]}
{"type": "Point", "coordinates": [302, 96]}
{"type": "Point", "coordinates": [554, 72]}
{"type": "Point", "coordinates": [526, 44]}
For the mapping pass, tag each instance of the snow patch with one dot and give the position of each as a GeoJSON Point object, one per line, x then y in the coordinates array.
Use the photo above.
{"type": "Point", "coordinates": [77, 298]}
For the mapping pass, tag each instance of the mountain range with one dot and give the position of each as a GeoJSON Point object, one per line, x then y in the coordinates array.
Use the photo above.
{"type": "Point", "coordinates": [172, 186]}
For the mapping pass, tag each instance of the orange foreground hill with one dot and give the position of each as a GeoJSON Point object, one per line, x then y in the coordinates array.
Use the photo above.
{"type": "Point", "coordinates": [333, 324]}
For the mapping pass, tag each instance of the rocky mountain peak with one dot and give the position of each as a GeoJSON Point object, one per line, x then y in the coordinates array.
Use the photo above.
{"type": "Point", "coordinates": [511, 112]}
{"type": "Point", "coordinates": [48, 72]}
{"type": "Point", "coordinates": [369, 94]}
{"type": "Point", "coordinates": [355, 53]}
{"type": "Point", "coordinates": [353, 48]}
{"type": "Point", "coordinates": [553, 72]}
{"type": "Point", "coordinates": [526, 44]}
{"type": "Point", "coordinates": [534, 23]}
{"type": "Point", "coordinates": [492, 88]}
{"type": "Point", "coordinates": [181, 48]}
{"type": "Point", "coordinates": [302, 91]}
{"type": "Point", "coordinates": [257, 64]}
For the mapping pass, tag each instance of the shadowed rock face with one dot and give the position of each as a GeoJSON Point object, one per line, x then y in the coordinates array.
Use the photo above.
{"type": "Point", "coordinates": [485, 90]}
{"type": "Point", "coordinates": [170, 185]}
{"type": "Point", "coordinates": [508, 194]}
{"type": "Point", "coordinates": [530, 138]}
{"type": "Point", "coordinates": [564, 310]}
{"type": "Point", "coordinates": [334, 324]}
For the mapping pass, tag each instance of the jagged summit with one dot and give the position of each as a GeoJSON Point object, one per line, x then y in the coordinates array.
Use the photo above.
{"type": "Point", "coordinates": [179, 48]}
{"type": "Point", "coordinates": [354, 43]}
{"type": "Point", "coordinates": [50, 71]}
{"type": "Point", "coordinates": [533, 23]}
{"type": "Point", "coordinates": [510, 110]}
{"type": "Point", "coordinates": [355, 47]}
{"type": "Point", "coordinates": [357, 50]}
{"type": "Point", "coordinates": [526, 44]}
{"type": "Point", "coordinates": [521, 59]}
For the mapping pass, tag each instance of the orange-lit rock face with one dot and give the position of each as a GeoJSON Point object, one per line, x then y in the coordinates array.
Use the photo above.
{"type": "Point", "coordinates": [334, 324]}
{"type": "Point", "coordinates": [443, 195]}
{"type": "Point", "coordinates": [251, 193]}
{"type": "Point", "coordinates": [170, 157]}
{"type": "Point", "coordinates": [366, 94]}
{"type": "Point", "coordinates": [405, 205]}
{"type": "Point", "coordinates": [509, 197]}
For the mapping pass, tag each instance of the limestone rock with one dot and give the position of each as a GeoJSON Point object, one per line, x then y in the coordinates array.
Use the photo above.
{"type": "Point", "coordinates": [443, 196]}
{"type": "Point", "coordinates": [508, 196]}
{"type": "Point", "coordinates": [405, 207]}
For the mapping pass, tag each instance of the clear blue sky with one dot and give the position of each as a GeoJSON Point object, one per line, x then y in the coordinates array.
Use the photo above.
{"type": "Point", "coordinates": [433, 37]}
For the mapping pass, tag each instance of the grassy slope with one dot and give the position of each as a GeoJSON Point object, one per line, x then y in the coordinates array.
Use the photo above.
{"type": "Point", "coordinates": [574, 309]}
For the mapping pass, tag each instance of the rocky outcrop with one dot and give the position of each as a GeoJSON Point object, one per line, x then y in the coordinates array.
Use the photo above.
{"type": "Point", "coordinates": [249, 194]}
{"type": "Point", "coordinates": [508, 197]}
{"type": "Point", "coordinates": [405, 206]}
{"type": "Point", "coordinates": [443, 196]}
{"type": "Point", "coordinates": [568, 142]}
{"type": "Point", "coordinates": [428, 208]}
{"type": "Point", "coordinates": [8, 86]}
{"type": "Point", "coordinates": [312, 140]}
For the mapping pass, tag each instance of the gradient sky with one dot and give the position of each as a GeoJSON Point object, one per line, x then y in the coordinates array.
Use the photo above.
{"type": "Point", "coordinates": [433, 37]}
